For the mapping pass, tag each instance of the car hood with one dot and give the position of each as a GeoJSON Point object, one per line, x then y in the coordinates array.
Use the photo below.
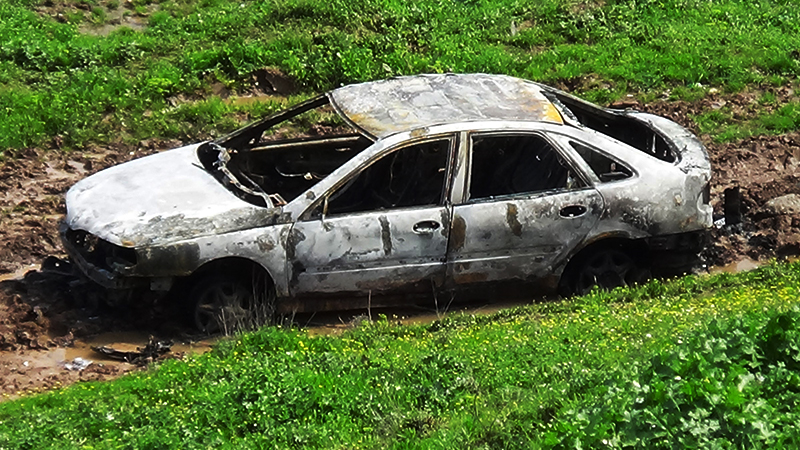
{"type": "Point", "coordinates": [158, 199]}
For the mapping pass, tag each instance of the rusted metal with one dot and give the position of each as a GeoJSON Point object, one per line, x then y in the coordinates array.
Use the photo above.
{"type": "Point", "coordinates": [166, 216]}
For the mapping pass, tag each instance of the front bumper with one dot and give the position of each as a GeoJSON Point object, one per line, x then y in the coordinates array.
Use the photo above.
{"type": "Point", "coordinates": [97, 265]}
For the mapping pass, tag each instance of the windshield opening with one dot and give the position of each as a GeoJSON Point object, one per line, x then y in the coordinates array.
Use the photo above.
{"type": "Point", "coordinates": [272, 161]}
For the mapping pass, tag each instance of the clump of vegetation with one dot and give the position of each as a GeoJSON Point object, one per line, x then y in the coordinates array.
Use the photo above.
{"type": "Point", "coordinates": [736, 383]}
{"type": "Point", "coordinates": [521, 378]}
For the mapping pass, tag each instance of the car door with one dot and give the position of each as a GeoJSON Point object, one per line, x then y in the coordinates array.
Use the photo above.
{"type": "Point", "coordinates": [524, 208]}
{"type": "Point", "coordinates": [383, 230]}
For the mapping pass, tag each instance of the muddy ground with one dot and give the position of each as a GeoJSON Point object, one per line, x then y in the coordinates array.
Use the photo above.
{"type": "Point", "coordinates": [46, 322]}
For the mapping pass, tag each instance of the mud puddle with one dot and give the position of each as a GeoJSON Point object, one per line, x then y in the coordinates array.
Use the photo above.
{"type": "Point", "coordinates": [333, 323]}
{"type": "Point", "coordinates": [27, 373]}
{"type": "Point", "coordinates": [742, 265]}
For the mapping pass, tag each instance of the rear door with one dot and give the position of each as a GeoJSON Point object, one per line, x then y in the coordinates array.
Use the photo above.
{"type": "Point", "coordinates": [524, 208]}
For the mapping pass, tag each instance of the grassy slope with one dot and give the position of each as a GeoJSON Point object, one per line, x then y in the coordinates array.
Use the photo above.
{"type": "Point", "coordinates": [513, 379]}
{"type": "Point", "coordinates": [86, 89]}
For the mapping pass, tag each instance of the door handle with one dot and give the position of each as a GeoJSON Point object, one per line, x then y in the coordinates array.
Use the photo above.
{"type": "Point", "coordinates": [426, 227]}
{"type": "Point", "coordinates": [572, 211]}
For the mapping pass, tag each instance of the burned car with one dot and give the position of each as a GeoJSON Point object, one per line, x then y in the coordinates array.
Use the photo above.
{"type": "Point", "coordinates": [421, 184]}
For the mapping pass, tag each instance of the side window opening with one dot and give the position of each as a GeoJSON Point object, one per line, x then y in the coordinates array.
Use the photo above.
{"type": "Point", "coordinates": [508, 165]}
{"type": "Point", "coordinates": [407, 177]}
{"type": "Point", "coordinates": [604, 167]}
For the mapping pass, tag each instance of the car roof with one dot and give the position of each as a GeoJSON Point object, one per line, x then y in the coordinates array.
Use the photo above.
{"type": "Point", "coordinates": [381, 108]}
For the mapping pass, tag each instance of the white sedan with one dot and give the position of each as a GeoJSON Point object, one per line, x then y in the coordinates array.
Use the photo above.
{"type": "Point", "coordinates": [420, 184]}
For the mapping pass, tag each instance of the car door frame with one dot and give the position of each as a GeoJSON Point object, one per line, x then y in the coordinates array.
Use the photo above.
{"type": "Point", "coordinates": [365, 277]}
{"type": "Point", "coordinates": [474, 272]}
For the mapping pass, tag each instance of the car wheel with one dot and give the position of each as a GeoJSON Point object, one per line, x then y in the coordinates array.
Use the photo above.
{"type": "Point", "coordinates": [227, 303]}
{"type": "Point", "coordinates": [608, 269]}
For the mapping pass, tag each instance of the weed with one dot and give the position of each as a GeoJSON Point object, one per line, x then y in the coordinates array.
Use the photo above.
{"type": "Point", "coordinates": [75, 17]}
{"type": "Point", "coordinates": [768, 98]}
{"type": "Point", "coordinates": [726, 385]}
{"type": "Point", "coordinates": [98, 15]}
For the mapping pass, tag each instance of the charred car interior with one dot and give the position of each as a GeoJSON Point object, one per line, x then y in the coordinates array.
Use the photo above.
{"type": "Point", "coordinates": [422, 184]}
{"type": "Point", "coordinates": [619, 126]}
{"type": "Point", "coordinates": [267, 171]}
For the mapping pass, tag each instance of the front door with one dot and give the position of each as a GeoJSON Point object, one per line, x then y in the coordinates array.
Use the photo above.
{"type": "Point", "coordinates": [384, 230]}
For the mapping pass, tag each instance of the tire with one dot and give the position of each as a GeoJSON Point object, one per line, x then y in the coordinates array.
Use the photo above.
{"type": "Point", "coordinates": [607, 269]}
{"type": "Point", "coordinates": [226, 303]}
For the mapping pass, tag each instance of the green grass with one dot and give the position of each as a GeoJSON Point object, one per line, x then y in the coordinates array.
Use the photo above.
{"type": "Point", "coordinates": [528, 377]}
{"type": "Point", "coordinates": [96, 89]}
{"type": "Point", "coordinates": [725, 126]}
{"type": "Point", "coordinates": [734, 384]}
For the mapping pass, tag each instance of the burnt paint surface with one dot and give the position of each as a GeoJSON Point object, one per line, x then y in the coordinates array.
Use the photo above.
{"type": "Point", "coordinates": [382, 108]}
{"type": "Point", "coordinates": [265, 247]}
{"type": "Point", "coordinates": [159, 200]}
{"type": "Point", "coordinates": [458, 234]}
{"type": "Point", "coordinates": [512, 220]}
{"type": "Point", "coordinates": [172, 260]}
{"type": "Point", "coordinates": [179, 227]}
{"type": "Point", "coordinates": [295, 237]}
{"type": "Point", "coordinates": [386, 235]}
{"type": "Point", "coordinates": [518, 238]}
{"type": "Point", "coordinates": [378, 251]}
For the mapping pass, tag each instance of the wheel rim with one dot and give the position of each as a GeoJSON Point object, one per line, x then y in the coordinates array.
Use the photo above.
{"type": "Point", "coordinates": [607, 269]}
{"type": "Point", "coordinates": [222, 307]}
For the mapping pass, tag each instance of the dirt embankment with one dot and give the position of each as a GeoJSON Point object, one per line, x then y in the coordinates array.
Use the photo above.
{"type": "Point", "coordinates": [43, 317]}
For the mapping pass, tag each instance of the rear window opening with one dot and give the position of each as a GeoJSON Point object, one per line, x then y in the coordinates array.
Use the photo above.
{"type": "Point", "coordinates": [272, 161]}
{"type": "Point", "coordinates": [606, 168]}
{"type": "Point", "coordinates": [624, 129]}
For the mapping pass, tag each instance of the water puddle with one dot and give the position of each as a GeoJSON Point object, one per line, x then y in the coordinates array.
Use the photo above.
{"type": "Point", "coordinates": [736, 266]}
{"type": "Point", "coordinates": [42, 370]}
{"type": "Point", "coordinates": [335, 323]}
{"type": "Point", "coordinates": [19, 273]}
